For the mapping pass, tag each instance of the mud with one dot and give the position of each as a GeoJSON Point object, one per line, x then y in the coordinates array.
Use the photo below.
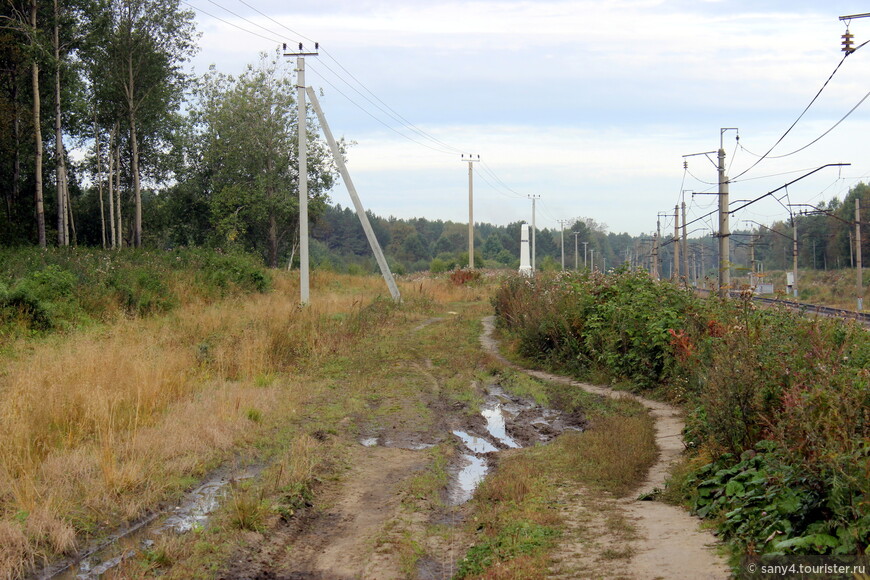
{"type": "Point", "coordinates": [192, 512]}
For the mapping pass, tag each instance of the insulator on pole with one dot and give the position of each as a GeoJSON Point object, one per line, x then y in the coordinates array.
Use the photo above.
{"type": "Point", "coordinates": [847, 42]}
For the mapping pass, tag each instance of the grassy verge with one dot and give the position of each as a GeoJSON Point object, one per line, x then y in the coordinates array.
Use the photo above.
{"type": "Point", "coordinates": [516, 512]}
{"type": "Point", "coordinates": [101, 425]}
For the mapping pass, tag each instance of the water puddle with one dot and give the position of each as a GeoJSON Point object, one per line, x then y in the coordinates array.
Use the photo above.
{"type": "Point", "coordinates": [469, 477]}
{"type": "Point", "coordinates": [510, 422]}
{"type": "Point", "coordinates": [495, 413]}
{"type": "Point", "coordinates": [475, 443]}
{"type": "Point", "coordinates": [192, 513]}
{"type": "Point", "coordinates": [410, 445]}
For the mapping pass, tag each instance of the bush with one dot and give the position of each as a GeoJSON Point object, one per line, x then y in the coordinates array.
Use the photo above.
{"type": "Point", "coordinates": [791, 391]}
{"type": "Point", "coordinates": [45, 289]}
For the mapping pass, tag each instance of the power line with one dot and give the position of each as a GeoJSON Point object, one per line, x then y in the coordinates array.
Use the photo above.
{"type": "Point", "coordinates": [488, 169]}
{"type": "Point", "coordinates": [807, 108]}
{"type": "Point", "coordinates": [276, 22]}
{"type": "Point", "coordinates": [198, 9]}
{"type": "Point", "coordinates": [395, 114]}
{"type": "Point", "coordinates": [239, 16]}
{"type": "Point", "coordinates": [393, 129]}
{"type": "Point", "coordinates": [447, 148]}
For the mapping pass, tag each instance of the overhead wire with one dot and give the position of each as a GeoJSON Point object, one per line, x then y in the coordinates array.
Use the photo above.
{"type": "Point", "coordinates": [242, 17]}
{"type": "Point", "coordinates": [441, 147]}
{"type": "Point", "coordinates": [390, 113]}
{"type": "Point", "coordinates": [393, 129]}
{"type": "Point", "coordinates": [243, 29]}
{"type": "Point", "coordinates": [807, 108]}
{"type": "Point", "coordinates": [492, 173]}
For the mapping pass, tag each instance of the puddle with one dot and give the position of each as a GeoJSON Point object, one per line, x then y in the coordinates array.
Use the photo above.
{"type": "Point", "coordinates": [410, 445]}
{"type": "Point", "coordinates": [467, 480]}
{"type": "Point", "coordinates": [192, 513]}
{"type": "Point", "coordinates": [510, 422]}
{"type": "Point", "coordinates": [475, 443]}
{"type": "Point", "coordinates": [494, 413]}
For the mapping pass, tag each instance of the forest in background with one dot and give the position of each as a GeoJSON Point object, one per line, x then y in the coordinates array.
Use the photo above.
{"type": "Point", "coordinates": [106, 141]}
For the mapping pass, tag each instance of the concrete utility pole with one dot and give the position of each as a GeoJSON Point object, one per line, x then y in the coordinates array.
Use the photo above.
{"type": "Point", "coordinates": [470, 208]}
{"type": "Point", "coordinates": [724, 226]}
{"type": "Point", "coordinates": [533, 198]}
{"type": "Point", "coordinates": [592, 258]}
{"type": "Point", "coordinates": [752, 282]}
{"type": "Point", "coordinates": [562, 233]}
{"type": "Point", "coordinates": [584, 254]}
{"type": "Point", "coordinates": [685, 247]}
{"type": "Point", "coordinates": [303, 182]}
{"type": "Point", "coordinates": [675, 274]}
{"type": "Point", "coordinates": [655, 256]}
{"type": "Point", "coordinates": [794, 255]}
{"type": "Point", "coordinates": [302, 160]}
{"type": "Point", "coordinates": [576, 256]}
{"type": "Point", "coordinates": [360, 211]}
{"type": "Point", "coordinates": [860, 279]}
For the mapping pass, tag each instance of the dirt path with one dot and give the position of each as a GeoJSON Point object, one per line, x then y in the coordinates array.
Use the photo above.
{"type": "Point", "coordinates": [342, 542]}
{"type": "Point", "coordinates": [668, 542]}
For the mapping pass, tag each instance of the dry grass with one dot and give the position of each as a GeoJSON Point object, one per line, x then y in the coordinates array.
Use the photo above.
{"type": "Point", "coordinates": [98, 427]}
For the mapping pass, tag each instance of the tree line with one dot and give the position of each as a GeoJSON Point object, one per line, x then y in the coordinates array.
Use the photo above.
{"type": "Point", "coordinates": [107, 141]}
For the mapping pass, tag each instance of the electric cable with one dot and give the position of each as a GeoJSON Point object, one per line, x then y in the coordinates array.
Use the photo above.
{"type": "Point", "coordinates": [230, 23]}
{"type": "Point", "coordinates": [488, 169]}
{"type": "Point", "coordinates": [807, 108]}
{"type": "Point", "coordinates": [393, 129]}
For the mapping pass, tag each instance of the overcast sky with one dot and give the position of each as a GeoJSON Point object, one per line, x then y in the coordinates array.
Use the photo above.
{"type": "Point", "coordinates": [589, 104]}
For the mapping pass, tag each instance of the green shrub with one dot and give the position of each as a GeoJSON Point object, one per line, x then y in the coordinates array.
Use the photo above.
{"type": "Point", "coordinates": [794, 391]}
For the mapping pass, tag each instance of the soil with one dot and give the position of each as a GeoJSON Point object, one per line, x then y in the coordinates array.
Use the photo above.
{"type": "Point", "coordinates": [666, 542]}
{"type": "Point", "coordinates": [357, 530]}
{"type": "Point", "coordinates": [339, 541]}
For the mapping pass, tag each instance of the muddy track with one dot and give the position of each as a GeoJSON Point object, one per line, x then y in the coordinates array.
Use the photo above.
{"type": "Point", "coordinates": [669, 543]}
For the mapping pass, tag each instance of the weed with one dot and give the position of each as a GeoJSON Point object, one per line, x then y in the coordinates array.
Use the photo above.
{"type": "Point", "coordinates": [750, 379]}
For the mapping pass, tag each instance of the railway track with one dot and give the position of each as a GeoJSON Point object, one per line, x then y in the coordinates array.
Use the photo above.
{"type": "Point", "coordinates": [817, 309]}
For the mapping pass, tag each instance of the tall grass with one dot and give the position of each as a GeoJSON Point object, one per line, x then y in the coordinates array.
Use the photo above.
{"type": "Point", "coordinates": [99, 426]}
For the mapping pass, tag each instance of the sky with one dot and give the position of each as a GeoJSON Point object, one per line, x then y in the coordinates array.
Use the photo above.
{"type": "Point", "coordinates": [591, 105]}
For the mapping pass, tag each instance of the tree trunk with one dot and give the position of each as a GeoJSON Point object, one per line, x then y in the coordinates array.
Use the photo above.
{"type": "Point", "coordinates": [273, 242]}
{"type": "Point", "coordinates": [100, 181]}
{"type": "Point", "coordinates": [111, 173]}
{"type": "Point", "coordinates": [134, 161]}
{"type": "Point", "coordinates": [37, 134]}
{"type": "Point", "coordinates": [118, 229]}
{"type": "Point", "coordinates": [16, 164]}
{"type": "Point", "coordinates": [60, 171]}
{"type": "Point", "coordinates": [70, 221]}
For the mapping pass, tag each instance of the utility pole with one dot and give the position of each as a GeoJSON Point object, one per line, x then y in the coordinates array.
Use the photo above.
{"type": "Point", "coordinates": [752, 282]}
{"type": "Point", "coordinates": [302, 160]}
{"type": "Point", "coordinates": [860, 279]}
{"type": "Point", "coordinates": [724, 226]}
{"type": "Point", "coordinates": [470, 208]}
{"type": "Point", "coordinates": [655, 256]}
{"type": "Point", "coordinates": [794, 255]}
{"type": "Point", "coordinates": [685, 248]}
{"type": "Point", "coordinates": [533, 198]}
{"type": "Point", "coordinates": [675, 274]}
{"type": "Point", "coordinates": [576, 256]}
{"type": "Point", "coordinates": [562, 233]}
{"type": "Point", "coordinates": [592, 258]}
{"type": "Point", "coordinates": [584, 254]}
